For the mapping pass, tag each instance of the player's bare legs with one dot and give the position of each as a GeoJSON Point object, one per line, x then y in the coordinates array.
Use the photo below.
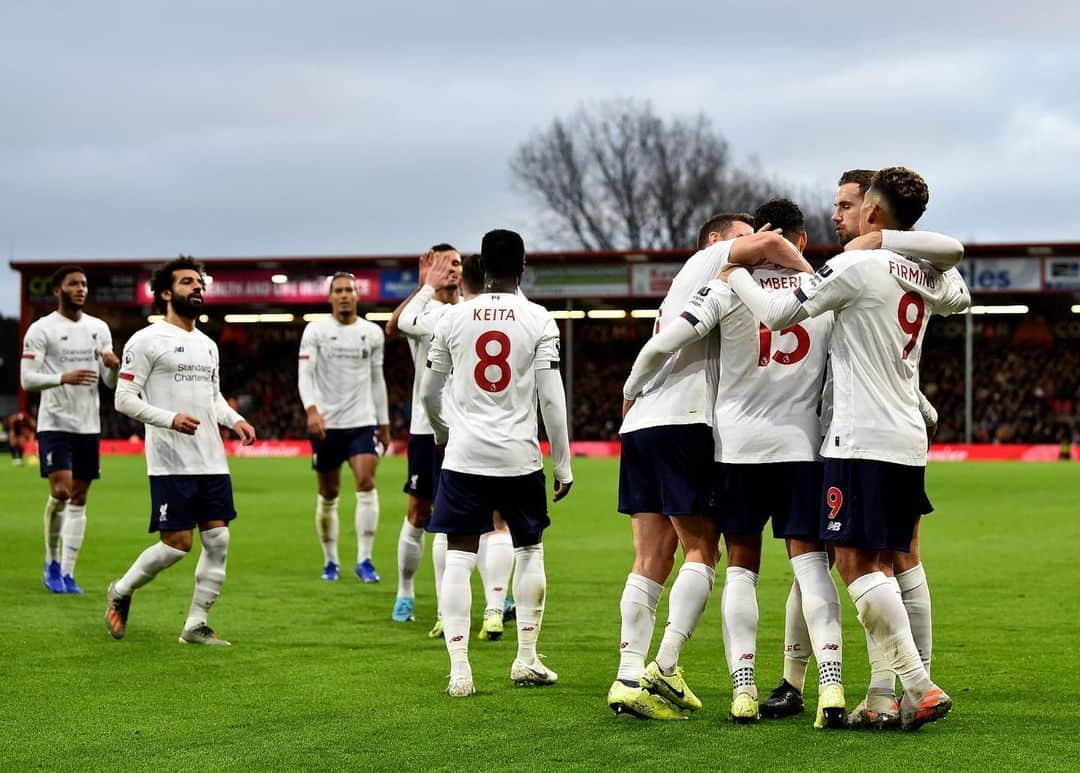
{"type": "Point", "coordinates": [882, 614]}
{"type": "Point", "coordinates": [327, 524]}
{"type": "Point", "coordinates": [367, 513]}
{"type": "Point", "coordinates": [689, 595]}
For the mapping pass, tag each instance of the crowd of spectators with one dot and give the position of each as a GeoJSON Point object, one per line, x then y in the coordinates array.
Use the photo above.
{"type": "Point", "coordinates": [1026, 379]}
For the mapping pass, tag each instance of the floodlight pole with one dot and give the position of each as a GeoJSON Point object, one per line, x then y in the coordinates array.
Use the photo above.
{"type": "Point", "coordinates": [969, 336]}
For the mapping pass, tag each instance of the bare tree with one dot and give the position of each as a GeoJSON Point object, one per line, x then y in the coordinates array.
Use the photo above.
{"type": "Point", "coordinates": [617, 176]}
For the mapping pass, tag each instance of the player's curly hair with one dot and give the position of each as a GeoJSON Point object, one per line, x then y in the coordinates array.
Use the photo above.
{"type": "Point", "coordinates": [784, 214]}
{"type": "Point", "coordinates": [162, 279]}
{"type": "Point", "coordinates": [903, 192]}
{"type": "Point", "coordinates": [502, 253]}
{"type": "Point", "coordinates": [720, 223]}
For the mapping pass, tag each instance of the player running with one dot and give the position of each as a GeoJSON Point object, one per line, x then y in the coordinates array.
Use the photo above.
{"type": "Point", "coordinates": [169, 380]}
{"type": "Point", "coordinates": [875, 447]}
{"type": "Point", "coordinates": [341, 386]}
{"type": "Point", "coordinates": [65, 354]}
{"type": "Point", "coordinates": [786, 700]}
{"type": "Point", "coordinates": [504, 351]}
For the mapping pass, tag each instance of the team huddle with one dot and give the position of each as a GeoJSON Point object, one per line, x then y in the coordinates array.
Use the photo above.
{"type": "Point", "coordinates": [767, 392]}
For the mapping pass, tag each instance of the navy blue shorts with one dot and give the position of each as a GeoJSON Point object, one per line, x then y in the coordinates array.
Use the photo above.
{"type": "Point", "coordinates": [341, 445]}
{"type": "Point", "coordinates": [872, 504]}
{"type": "Point", "coordinates": [465, 502]}
{"type": "Point", "coordinates": [666, 470]}
{"type": "Point", "coordinates": [745, 496]}
{"type": "Point", "coordinates": [179, 502]}
{"type": "Point", "coordinates": [421, 453]}
{"type": "Point", "coordinates": [70, 451]}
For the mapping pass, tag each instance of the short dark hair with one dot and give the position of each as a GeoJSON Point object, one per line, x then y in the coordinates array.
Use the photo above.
{"type": "Point", "coordinates": [163, 277]}
{"type": "Point", "coordinates": [503, 254]}
{"type": "Point", "coordinates": [472, 274]}
{"type": "Point", "coordinates": [720, 223]}
{"type": "Point", "coordinates": [61, 274]}
{"type": "Point", "coordinates": [860, 177]}
{"type": "Point", "coordinates": [784, 214]}
{"type": "Point", "coordinates": [444, 247]}
{"type": "Point", "coordinates": [904, 192]}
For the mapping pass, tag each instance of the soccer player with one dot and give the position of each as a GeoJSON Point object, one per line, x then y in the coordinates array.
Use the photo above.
{"type": "Point", "coordinates": [504, 351]}
{"type": "Point", "coordinates": [766, 432]}
{"type": "Point", "coordinates": [875, 448]}
{"type": "Point", "coordinates": [169, 380]}
{"type": "Point", "coordinates": [20, 431]}
{"type": "Point", "coordinates": [65, 354]}
{"type": "Point", "coordinates": [439, 275]}
{"type": "Point", "coordinates": [786, 700]}
{"type": "Point", "coordinates": [342, 389]}
{"type": "Point", "coordinates": [664, 471]}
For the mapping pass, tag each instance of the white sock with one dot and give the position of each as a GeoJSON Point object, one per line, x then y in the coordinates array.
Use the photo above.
{"type": "Point", "coordinates": [882, 676]}
{"type": "Point", "coordinates": [54, 519]}
{"type": "Point", "coordinates": [496, 562]}
{"type": "Point", "coordinates": [915, 593]}
{"type": "Point", "coordinates": [367, 521]}
{"type": "Point", "coordinates": [410, 549]}
{"type": "Point", "coordinates": [456, 595]}
{"type": "Point", "coordinates": [686, 604]}
{"type": "Point", "coordinates": [209, 574]}
{"type": "Point", "coordinates": [530, 589]}
{"type": "Point", "coordinates": [796, 639]}
{"type": "Point", "coordinates": [821, 611]}
{"type": "Point", "coordinates": [147, 566]}
{"type": "Point", "coordinates": [638, 607]}
{"type": "Point", "coordinates": [71, 534]}
{"type": "Point", "coordinates": [882, 614]}
{"type": "Point", "coordinates": [327, 527]}
{"type": "Point", "coordinates": [740, 617]}
{"type": "Point", "coordinates": [438, 560]}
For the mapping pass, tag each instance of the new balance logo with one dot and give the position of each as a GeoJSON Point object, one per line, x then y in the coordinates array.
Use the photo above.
{"type": "Point", "coordinates": [163, 512]}
{"type": "Point", "coordinates": [48, 458]}
{"type": "Point", "coordinates": [834, 526]}
{"type": "Point", "coordinates": [746, 656]}
{"type": "Point", "coordinates": [832, 646]}
{"type": "Point", "coordinates": [179, 349]}
{"type": "Point", "coordinates": [623, 645]}
{"type": "Point", "coordinates": [457, 638]}
{"type": "Point", "coordinates": [412, 481]}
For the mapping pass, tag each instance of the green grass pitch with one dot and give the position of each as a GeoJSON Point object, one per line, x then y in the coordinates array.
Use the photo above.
{"type": "Point", "coordinates": [319, 677]}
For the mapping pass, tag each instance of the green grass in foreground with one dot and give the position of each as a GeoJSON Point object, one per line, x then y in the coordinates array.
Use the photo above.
{"type": "Point", "coordinates": [319, 677]}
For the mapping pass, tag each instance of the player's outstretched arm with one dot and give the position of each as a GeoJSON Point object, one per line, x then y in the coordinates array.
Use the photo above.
{"type": "Point", "coordinates": [774, 310]}
{"type": "Point", "coordinates": [767, 247]}
{"type": "Point", "coordinates": [940, 251]}
{"type": "Point", "coordinates": [549, 389]}
{"type": "Point", "coordinates": [431, 390]}
{"type": "Point", "coordinates": [655, 353]}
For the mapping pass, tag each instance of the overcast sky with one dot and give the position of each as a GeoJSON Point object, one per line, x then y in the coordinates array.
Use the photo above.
{"type": "Point", "coordinates": [134, 129]}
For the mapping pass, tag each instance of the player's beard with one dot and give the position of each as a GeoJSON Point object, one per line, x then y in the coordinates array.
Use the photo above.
{"type": "Point", "coordinates": [69, 301]}
{"type": "Point", "coordinates": [184, 307]}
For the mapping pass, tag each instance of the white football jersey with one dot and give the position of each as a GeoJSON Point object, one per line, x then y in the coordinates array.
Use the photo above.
{"type": "Point", "coordinates": [493, 344]}
{"type": "Point", "coordinates": [55, 345]}
{"type": "Point", "coordinates": [770, 382]}
{"type": "Point", "coordinates": [177, 370]}
{"type": "Point", "coordinates": [684, 391]}
{"type": "Point", "coordinates": [347, 361]}
{"type": "Point", "coordinates": [419, 344]}
{"type": "Point", "coordinates": [882, 303]}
